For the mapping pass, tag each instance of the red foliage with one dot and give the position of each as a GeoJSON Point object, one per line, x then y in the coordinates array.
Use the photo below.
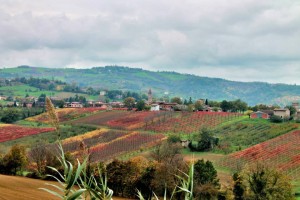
{"type": "Point", "coordinates": [132, 142]}
{"type": "Point", "coordinates": [12, 132]}
{"type": "Point", "coordinates": [282, 152]}
{"type": "Point", "coordinates": [190, 122]}
{"type": "Point", "coordinates": [66, 114]}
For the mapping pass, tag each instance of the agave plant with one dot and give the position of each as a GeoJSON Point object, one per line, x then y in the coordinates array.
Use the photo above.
{"type": "Point", "coordinates": [67, 180]}
{"type": "Point", "coordinates": [74, 183]}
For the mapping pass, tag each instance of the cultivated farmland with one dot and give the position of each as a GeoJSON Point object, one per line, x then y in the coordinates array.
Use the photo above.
{"type": "Point", "coordinates": [282, 152]}
{"type": "Point", "coordinates": [249, 132]}
{"type": "Point", "coordinates": [118, 119]}
{"type": "Point", "coordinates": [188, 122]}
{"type": "Point", "coordinates": [11, 132]}
{"type": "Point", "coordinates": [66, 114]}
{"type": "Point", "coordinates": [162, 122]}
{"type": "Point", "coordinates": [105, 144]}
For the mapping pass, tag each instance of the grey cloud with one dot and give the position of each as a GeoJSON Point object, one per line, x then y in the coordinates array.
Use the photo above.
{"type": "Point", "coordinates": [211, 38]}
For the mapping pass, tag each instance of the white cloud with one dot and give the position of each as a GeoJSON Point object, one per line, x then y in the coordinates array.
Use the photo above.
{"type": "Point", "coordinates": [239, 40]}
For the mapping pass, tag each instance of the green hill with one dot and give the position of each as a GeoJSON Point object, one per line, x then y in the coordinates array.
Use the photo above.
{"type": "Point", "coordinates": [22, 90]}
{"type": "Point", "coordinates": [176, 84]}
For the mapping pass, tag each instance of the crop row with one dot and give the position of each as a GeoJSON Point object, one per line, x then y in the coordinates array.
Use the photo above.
{"type": "Point", "coordinates": [189, 122]}
{"type": "Point", "coordinates": [240, 134]}
{"type": "Point", "coordinates": [104, 144]}
{"type": "Point", "coordinates": [92, 139]}
{"type": "Point", "coordinates": [129, 143]}
{"type": "Point", "coordinates": [66, 114]}
{"type": "Point", "coordinates": [12, 132]}
{"type": "Point", "coordinates": [282, 152]}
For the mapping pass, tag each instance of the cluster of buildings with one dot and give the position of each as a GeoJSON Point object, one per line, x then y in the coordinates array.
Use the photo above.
{"type": "Point", "coordinates": [4, 98]}
{"type": "Point", "coordinates": [283, 113]}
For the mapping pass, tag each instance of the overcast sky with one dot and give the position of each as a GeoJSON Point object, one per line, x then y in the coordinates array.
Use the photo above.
{"type": "Point", "coordinates": [245, 40]}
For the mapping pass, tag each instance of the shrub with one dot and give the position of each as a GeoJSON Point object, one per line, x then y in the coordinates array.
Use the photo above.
{"type": "Point", "coordinates": [276, 119]}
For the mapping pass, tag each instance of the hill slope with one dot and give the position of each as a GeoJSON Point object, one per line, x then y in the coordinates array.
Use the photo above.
{"type": "Point", "coordinates": [184, 85]}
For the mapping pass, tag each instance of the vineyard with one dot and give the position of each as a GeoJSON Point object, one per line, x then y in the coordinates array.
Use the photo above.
{"type": "Point", "coordinates": [118, 119]}
{"type": "Point", "coordinates": [11, 132]}
{"type": "Point", "coordinates": [188, 122]}
{"type": "Point", "coordinates": [162, 122]}
{"type": "Point", "coordinates": [282, 152]}
{"type": "Point", "coordinates": [250, 132]}
{"type": "Point", "coordinates": [66, 114]}
{"type": "Point", "coordinates": [105, 144]}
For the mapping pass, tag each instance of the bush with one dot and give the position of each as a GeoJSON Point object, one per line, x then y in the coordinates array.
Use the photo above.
{"type": "Point", "coordinates": [174, 138]}
{"type": "Point", "coordinates": [276, 119]}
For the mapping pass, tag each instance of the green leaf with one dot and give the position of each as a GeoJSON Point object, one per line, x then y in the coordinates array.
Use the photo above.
{"type": "Point", "coordinates": [76, 194]}
{"type": "Point", "coordinates": [52, 192]}
{"type": "Point", "coordinates": [55, 186]}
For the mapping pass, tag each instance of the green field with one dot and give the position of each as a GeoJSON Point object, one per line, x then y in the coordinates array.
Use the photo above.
{"type": "Point", "coordinates": [23, 90]}
{"type": "Point", "coordinates": [248, 132]}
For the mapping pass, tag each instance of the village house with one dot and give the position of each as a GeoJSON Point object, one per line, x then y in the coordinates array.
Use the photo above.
{"type": "Point", "coordinates": [259, 114]}
{"type": "Point", "coordinates": [167, 106]}
{"type": "Point", "coordinates": [95, 103]}
{"type": "Point", "coordinates": [73, 105]}
{"type": "Point", "coordinates": [207, 109]}
{"type": "Point", "coordinates": [155, 107]}
{"type": "Point", "coordinates": [185, 143]}
{"type": "Point", "coordinates": [3, 98]}
{"type": "Point", "coordinates": [282, 112]}
{"type": "Point", "coordinates": [117, 104]}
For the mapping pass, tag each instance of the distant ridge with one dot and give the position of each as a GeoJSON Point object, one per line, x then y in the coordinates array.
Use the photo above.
{"type": "Point", "coordinates": [176, 84]}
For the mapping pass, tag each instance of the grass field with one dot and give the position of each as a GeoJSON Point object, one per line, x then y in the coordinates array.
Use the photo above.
{"type": "Point", "coordinates": [22, 90]}
{"type": "Point", "coordinates": [248, 132]}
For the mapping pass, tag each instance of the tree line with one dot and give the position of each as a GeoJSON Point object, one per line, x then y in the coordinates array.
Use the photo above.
{"type": "Point", "coordinates": [158, 175]}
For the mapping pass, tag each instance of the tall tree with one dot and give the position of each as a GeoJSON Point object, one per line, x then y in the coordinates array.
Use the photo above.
{"type": "Point", "coordinates": [199, 105]}
{"type": "Point", "coordinates": [176, 100]}
{"type": "Point", "coordinates": [239, 188]}
{"type": "Point", "coordinates": [206, 180]}
{"type": "Point", "coordinates": [38, 154]}
{"type": "Point", "coordinates": [15, 159]}
{"type": "Point", "coordinates": [264, 183]}
{"type": "Point", "coordinates": [129, 102]}
{"type": "Point", "coordinates": [140, 105]}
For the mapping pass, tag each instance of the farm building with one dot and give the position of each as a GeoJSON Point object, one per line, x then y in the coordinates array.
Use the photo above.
{"type": "Point", "coordinates": [167, 106]}
{"type": "Point", "coordinates": [282, 112]}
{"type": "Point", "coordinates": [185, 143]}
{"type": "Point", "coordinates": [259, 114]}
{"type": "Point", "coordinates": [74, 105]}
{"type": "Point", "coordinates": [155, 107]}
{"type": "Point", "coordinates": [297, 115]}
{"type": "Point", "coordinates": [3, 97]}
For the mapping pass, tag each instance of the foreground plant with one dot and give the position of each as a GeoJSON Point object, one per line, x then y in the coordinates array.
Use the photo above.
{"type": "Point", "coordinates": [74, 183]}
{"type": "Point", "coordinates": [67, 180]}
{"type": "Point", "coordinates": [186, 187]}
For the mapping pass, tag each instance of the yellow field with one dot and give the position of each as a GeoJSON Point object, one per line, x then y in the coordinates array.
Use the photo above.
{"type": "Point", "coordinates": [21, 188]}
